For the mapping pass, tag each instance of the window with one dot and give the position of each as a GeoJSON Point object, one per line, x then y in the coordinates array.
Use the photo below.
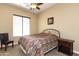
{"type": "Point", "coordinates": [21, 26]}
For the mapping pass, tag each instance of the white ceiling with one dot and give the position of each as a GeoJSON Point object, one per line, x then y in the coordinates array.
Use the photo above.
{"type": "Point", "coordinates": [26, 6]}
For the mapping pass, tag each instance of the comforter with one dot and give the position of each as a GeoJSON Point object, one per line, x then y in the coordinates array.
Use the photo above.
{"type": "Point", "coordinates": [38, 44]}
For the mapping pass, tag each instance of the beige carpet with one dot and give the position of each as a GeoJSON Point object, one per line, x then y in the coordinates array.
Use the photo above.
{"type": "Point", "coordinates": [16, 51]}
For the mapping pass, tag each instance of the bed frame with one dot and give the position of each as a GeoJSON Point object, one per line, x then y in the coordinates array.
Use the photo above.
{"type": "Point", "coordinates": [52, 31]}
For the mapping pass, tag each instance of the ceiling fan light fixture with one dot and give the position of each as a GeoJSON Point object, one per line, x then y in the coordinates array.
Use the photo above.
{"type": "Point", "coordinates": [33, 5]}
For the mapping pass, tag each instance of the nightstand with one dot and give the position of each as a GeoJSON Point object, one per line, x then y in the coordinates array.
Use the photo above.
{"type": "Point", "coordinates": [65, 46]}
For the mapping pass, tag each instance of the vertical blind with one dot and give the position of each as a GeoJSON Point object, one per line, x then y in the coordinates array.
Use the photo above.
{"type": "Point", "coordinates": [21, 26]}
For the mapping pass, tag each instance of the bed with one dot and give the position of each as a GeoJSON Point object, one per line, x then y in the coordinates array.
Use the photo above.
{"type": "Point", "coordinates": [39, 44]}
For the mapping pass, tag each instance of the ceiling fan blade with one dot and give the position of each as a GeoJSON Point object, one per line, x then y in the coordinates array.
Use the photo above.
{"type": "Point", "coordinates": [38, 8]}
{"type": "Point", "coordinates": [39, 3]}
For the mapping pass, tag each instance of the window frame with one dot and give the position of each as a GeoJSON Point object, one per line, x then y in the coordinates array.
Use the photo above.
{"type": "Point", "coordinates": [22, 21]}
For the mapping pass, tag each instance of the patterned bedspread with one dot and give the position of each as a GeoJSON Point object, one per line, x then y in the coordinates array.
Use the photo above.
{"type": "Point", "coordinates": [37, 44]}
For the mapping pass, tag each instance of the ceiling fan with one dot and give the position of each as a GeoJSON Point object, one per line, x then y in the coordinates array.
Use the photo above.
{"type": "Point", "coordinates": [35, 6]}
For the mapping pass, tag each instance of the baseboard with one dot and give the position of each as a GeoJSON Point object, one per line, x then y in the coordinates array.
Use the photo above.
{"type": "Point", "coordinates": [76, 52]}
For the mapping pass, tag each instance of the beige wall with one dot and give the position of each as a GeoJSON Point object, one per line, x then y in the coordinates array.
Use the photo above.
{"type": "Point", "coordinates": [6, 19]}
{"type": "Point", "coordinates": [66, 20]}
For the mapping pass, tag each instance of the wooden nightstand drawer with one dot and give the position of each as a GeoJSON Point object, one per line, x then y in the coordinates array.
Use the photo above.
{"type": "Point", "coordinates": [65, 46]}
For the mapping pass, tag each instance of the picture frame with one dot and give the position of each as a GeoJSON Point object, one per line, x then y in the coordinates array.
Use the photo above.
{"type": "Point", "coordinates": [50, 21]}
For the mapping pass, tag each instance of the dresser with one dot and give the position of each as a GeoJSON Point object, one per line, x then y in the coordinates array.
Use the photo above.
{"type": "Point", "coordinates": [65, 46]}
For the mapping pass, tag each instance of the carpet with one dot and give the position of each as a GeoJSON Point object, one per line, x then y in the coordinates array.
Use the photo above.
{"type": "Point", "coordinates": [16, 51]}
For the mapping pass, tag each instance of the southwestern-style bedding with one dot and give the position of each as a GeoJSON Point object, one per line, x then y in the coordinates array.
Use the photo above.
{"type": "Point", "coordinates": [39, 44]}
